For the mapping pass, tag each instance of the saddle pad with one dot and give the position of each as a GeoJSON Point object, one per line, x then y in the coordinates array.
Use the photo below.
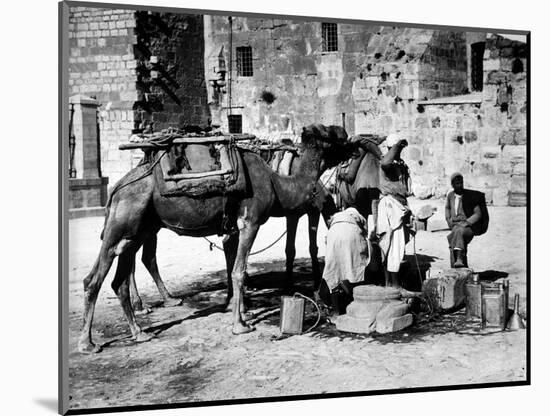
{"type": "Point", "coordinates": [200, 170]}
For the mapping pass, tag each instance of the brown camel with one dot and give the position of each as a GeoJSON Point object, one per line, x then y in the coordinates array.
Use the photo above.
{"type": "Point", "coordinates": [137, 211]}
{"type": "Point", "coordinates": [321, 204]}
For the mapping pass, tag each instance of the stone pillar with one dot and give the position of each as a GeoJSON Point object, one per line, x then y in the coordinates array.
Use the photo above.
{"type": "Point", "coordinates": [88, 190]}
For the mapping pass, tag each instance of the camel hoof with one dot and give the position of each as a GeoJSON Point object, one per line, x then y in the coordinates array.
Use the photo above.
{"type": "Point", "coordinates": [143, 311]}
{"type": "Point", "coordinates": [242, 329]}
{"type": "Point", "coordinates": [89, 348]}
{"type": "Point", "coordinates": [247, 316]}
{"type": "Point", "coordinates": [143, 337]}
{"type": "Point", "coordinates": [173, 302]}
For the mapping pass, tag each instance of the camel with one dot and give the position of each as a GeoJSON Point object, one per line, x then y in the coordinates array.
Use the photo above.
{"type": "Point", "coordinates": [322, 204]}
{"type": "Point", "coordinates": [137, 211]}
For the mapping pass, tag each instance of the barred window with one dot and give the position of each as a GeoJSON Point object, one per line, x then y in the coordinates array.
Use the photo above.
{"type": "Point", "coordinates": [235, 122]}
{"type": "Point", "coordinates": [330, 37]}
{"type": "Point", "coordinates": [477, 49]}
{"type": "Point", "coordinates": [244, 61]}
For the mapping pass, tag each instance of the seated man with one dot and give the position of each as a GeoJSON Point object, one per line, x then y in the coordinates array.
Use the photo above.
{"type": "Point", "coordinates": [467, 216]}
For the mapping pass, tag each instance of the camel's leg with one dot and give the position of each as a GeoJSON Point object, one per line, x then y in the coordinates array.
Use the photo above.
{"type": "Point", "coordinates": [149, 259]}
{"type": "Point", "coordinates": [121, 286]}
{"type": "Point", "coordinates": [247, 235]}
{"type": "Point", "coordinates": [137, 303]}
{"type": "Point", "coordinates": [230, 246]}
{"type": "Point", "coordinates": [92, 285]}
{"type": "Point", "coordinates": [313, 221]}
{"type": "Point", "coordinates": [290, 249]}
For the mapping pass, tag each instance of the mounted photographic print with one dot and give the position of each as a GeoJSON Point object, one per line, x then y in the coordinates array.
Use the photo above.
{"type": "Point", "coordinates": [259, 207]}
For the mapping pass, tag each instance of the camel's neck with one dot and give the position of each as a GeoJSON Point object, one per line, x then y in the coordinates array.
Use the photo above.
{"type": "Point", "coordinates": [294, 191]}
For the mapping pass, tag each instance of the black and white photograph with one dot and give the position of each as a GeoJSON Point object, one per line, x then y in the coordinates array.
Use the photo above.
{"type": "Point", "coordinates": [276, 207]}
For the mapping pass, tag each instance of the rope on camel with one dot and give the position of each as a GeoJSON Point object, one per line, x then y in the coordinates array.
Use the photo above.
{"type": "Point", "coordinates": [212, 244]}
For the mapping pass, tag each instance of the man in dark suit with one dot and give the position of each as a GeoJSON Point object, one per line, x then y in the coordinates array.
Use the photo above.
{"type": "Point", "coordinates": [467, 216]}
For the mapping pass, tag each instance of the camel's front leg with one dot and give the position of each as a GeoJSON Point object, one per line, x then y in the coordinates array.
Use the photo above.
{"type": "Point", "coordinates": [290, 249]}
{"type": "Point", "coordinates": [247, 234]}
{"type": "Point", "coordinates": [230, 247]}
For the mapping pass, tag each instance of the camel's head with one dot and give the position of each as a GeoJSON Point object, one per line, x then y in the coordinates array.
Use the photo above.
{"type": "Point", "coordinates": [331, 140]}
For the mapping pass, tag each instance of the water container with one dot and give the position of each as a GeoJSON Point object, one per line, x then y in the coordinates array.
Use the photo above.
{"type": "Point", "coordinates": [292, 315]}
{"type": "Point", "coordinates": [494, 305]}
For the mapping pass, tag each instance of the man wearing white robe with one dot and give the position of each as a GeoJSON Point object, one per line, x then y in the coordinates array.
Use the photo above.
{"type": "Point", "coordinates": [393, 210]}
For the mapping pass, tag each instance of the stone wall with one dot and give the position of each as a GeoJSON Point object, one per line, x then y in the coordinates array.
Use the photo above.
{"type": "Point", "coordinates": [384, 79]}
{"type": "Point", "coordinates": [482, 135]}
{"type": "Point", "coordinates": [142, 67]}
{"type": "Point", "coordinates": [170, 73]}
{"type": "Point", "coordinates": [374, 66]}
{"type": "Point", "coordinates": [102, 65]}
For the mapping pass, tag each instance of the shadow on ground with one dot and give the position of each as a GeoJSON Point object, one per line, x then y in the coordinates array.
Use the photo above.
{"type": "Point", "coordinates": [268, 282]}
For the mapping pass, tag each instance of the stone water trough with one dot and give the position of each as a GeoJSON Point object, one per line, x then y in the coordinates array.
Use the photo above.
{"type": "Point", "coordinates": [375, 309]}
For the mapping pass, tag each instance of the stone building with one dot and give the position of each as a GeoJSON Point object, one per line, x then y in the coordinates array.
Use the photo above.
{"type": "Point", "coordinates": [143, 68]}
{"type": "Point", "coordinates": [458, 97]}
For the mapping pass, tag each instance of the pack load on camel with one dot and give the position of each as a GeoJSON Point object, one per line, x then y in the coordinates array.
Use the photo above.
{"type": "Point", "coordinates": [137, 210]}
{"type": "Point", "coordinates": [193, 164]}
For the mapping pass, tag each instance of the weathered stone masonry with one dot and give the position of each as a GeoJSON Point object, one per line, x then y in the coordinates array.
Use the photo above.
{"type": "Point", "coordinates": [159, 70]}
{"type": "Point", "coordinates": [102, 64]}
{"type": "Point", "coordinates": [144, 68]}
{"type": "Point", "coordinates": [381, 80]}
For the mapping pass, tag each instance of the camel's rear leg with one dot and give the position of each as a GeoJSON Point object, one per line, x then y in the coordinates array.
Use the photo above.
{"type": "Point", "coordinates": [149, 259]}
{"type": "Point", "coordinates": [92, 285]}
{"type": "Point", "coordinates": [121, 286]}
{"type": "Point", "coordinates": [135, 298]}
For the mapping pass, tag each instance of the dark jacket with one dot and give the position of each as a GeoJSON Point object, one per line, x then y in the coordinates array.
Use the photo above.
{"type": "Point", "coordinates": [470, 200]}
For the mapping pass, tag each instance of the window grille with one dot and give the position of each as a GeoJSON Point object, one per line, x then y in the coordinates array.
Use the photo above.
{"type": "Point", "coordinates": [330, 37]}
{"type": "Point", "coordinates": [244, 61]}
{"type": "Point", "coordinates": [235, 123]}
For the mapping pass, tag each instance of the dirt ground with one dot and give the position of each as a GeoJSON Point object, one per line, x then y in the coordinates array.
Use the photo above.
{"type": "Point", "coordinates": [194, 356]}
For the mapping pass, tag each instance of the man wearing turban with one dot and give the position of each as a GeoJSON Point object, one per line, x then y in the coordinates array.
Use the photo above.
{"type": "Point", "coordinates": [393, 225]}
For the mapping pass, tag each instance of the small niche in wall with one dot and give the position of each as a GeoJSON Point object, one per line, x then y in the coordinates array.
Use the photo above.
{"type": "Point", "coordinates": [517, 66]}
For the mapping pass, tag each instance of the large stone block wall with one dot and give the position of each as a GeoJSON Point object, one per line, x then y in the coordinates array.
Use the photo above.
{"type": "Point", "coordinates": [376, 83]}
{"type": "Point", "coordinates": [374, 66]}
{"type": "Point", "coordinates": [110, 59]}
{"type": "Point", "coordinates": [102, 65]}
{"type": "Point", "coordinates": [481, 135]}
